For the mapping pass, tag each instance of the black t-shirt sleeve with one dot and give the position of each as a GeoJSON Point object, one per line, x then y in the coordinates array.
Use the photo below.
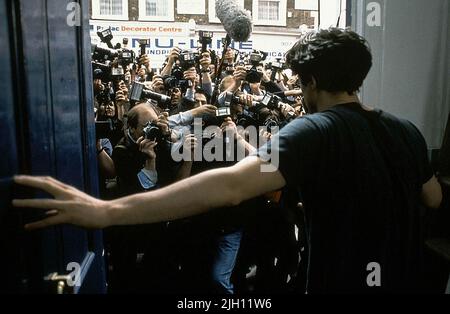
{"type": "Point", "coordinates": [420, 151]}
{"type": "Point", "coordinates": [294, 150]}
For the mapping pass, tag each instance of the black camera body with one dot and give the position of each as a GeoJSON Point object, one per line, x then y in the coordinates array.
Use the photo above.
{"type": "Point", "coordinates": [103, 129]}
{"type": "Point", "coordinates": [255, 59]}
{"type": "Point", "coordinates": [175, 81]}
{"type": "Point", "coordinates": [188, 59]}
{"type": "Point", "coordinates": [271, 101]}
{"type": "Point", "coordinates": [126, 57]}
{"type": "Point", "coordinates": [152, 132]}
{"type": "Point", "coordinates": [117, 74]}
{"type": "Point", "coordinates": [101, 71]}
{"type": "Point", "coordinates": [107, 73]}
{"type": "Point", "coordinates": [224, 111]}
{"type": "Point", "coordinates": [275, 67]}
{"type": "Point", "coordinates": [139, 93]}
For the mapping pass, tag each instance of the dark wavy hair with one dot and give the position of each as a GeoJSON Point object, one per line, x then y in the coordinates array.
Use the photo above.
{"type": "Point", "coordinates": [338, 59]}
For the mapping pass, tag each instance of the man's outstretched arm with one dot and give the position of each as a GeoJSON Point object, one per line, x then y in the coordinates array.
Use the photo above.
{"type": "Point", "coordinates": [212, 189]}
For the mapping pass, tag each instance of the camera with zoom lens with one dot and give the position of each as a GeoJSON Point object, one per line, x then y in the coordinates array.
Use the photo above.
{"type": "Point", "coordinates": [100, 54]}
{"type": "Point", "coordinates": [139, 92]}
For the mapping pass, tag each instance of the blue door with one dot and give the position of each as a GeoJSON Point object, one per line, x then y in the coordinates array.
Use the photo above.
{"type": "Point", "coordinates": [46, 128]}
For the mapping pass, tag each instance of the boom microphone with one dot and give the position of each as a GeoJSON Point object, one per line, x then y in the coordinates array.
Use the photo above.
{"type": "Point", "coordinates": [236, 21]}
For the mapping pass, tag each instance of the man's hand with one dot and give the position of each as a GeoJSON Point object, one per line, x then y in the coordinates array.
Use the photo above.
{"type": "Point", "coordinates": [157, 84]}
{"type": "Point", "coordinates": [229, 128]}
{"type": "Point", "coordinates": [163, 123]}
{"type": "Point", "coordinates": [205, 61]}
{"type": "Point", "coordinates": [287, 110]}
{"type": "Point", "coordinates": [120, 98]}
{"type": "Point", "coordinates": [191, 75]}
{"type": "Point", "coordinates": [174, 55]}
{"type": "Point", "coordinates": [147, 147]}
{"type": "Point", "coordinates": [246, 100]}
{"type": "Point", "coordinates": [142, 73]}
{"type": "Point", "coordinates": [293, 93]}
{"type": "Point", "coordinates": [70, 205]}
{"type": "Point", "coordinates": [190, 144]}
{"type": "Point", "coordinates": [123, 87]}
{"type": "Point", "coordinates": [264, 76]}
{"type": "Point", "coordinates": [145, 60]}
{"type": "Point", "coordinates": [204, 110]}
{"type": "Point", "coordinates": [292, 81]}
{"type": "Point", "coordinates": [239, 75]}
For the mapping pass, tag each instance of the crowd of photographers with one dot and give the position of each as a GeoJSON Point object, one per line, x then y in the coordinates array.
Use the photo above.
{"type": "Point", "coordinates": [143, 116]}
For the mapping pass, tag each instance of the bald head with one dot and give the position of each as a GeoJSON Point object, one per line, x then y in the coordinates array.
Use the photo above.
{"type": "Point", "coordinates": [138, 117]}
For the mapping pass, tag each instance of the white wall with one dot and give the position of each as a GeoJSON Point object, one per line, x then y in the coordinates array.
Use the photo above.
{"type": "Point", "coordinates": [329, 13]}
{"type": "Point", "coordinates": [411, 72]}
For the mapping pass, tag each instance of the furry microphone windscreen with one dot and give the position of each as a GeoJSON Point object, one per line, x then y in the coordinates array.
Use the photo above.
{"type": "Point", "coordinates": [235, 20]}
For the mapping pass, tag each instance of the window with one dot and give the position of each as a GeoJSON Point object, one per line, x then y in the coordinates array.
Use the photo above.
{"type": "Point", "coordinates": [212, 10]}
{"type": "Point", "coordinates": [269, 12]}
{"type": "Point", "coordinates": [156, 10]}
{"type": "Point", "coordinates": [110, 9]}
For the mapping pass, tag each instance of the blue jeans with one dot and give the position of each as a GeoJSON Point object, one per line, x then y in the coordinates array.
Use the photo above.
{"type": "Point", "coordinates": [224, 260]}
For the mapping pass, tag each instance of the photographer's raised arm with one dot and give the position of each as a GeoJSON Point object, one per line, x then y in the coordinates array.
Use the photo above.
{"type": "Point", "coordinates": [212, 189]}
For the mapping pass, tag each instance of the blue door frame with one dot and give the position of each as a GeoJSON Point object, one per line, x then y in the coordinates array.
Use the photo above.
{"type": "Point", "coordinates": [46, 128]}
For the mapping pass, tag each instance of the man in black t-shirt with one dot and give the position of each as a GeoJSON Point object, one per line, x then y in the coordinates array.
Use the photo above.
{"type": "Point", "coordinates": [363, 174]}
